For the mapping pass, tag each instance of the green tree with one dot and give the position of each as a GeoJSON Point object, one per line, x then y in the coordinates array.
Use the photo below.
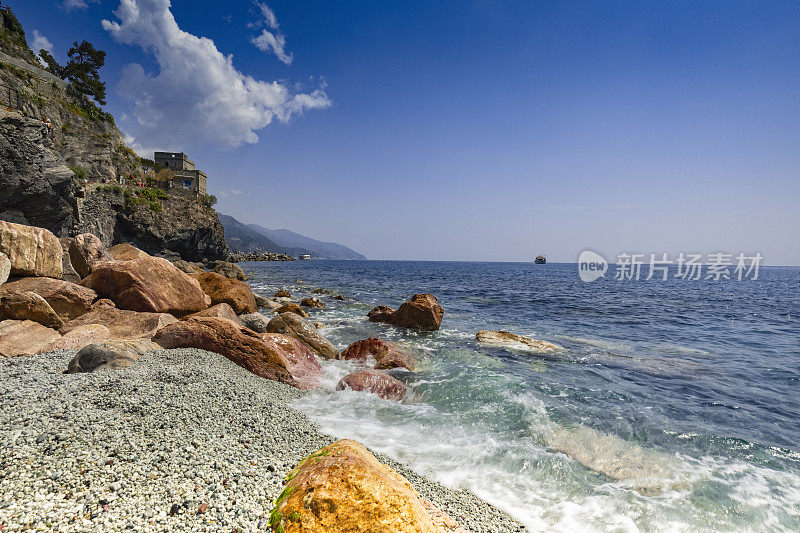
{"type": "Point", "coordinates": [82, 69]}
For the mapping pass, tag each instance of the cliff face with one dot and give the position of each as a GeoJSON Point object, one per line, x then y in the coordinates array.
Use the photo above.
{"type": "Point", "coordinates": [38, 165]}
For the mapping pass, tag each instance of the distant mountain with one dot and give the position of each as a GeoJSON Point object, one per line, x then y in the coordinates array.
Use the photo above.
{"type": "Point", "coordinates": [291, 240]}
{"type": "Point", "coordinates": [240, 238]}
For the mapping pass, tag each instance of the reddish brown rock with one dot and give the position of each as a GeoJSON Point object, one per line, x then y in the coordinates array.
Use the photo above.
{"type": "Point", "coordinates": [300, 360]}
{"type": "Point", "coordinates": [385, 354]}
{"type": "Point", "coordinates": [24, 337]}
{"type": "Point", "coordinates": [126, 252]}
{"type": "Point", "coordinates": [103, 302]}
{"type": "Point", "coordinates": [68, 300]}
{"type": "Point", "coordinates": [312, 302]}
{"type": "Point", "coordinates": [375, 382]}
{"type": "Point", "coordinates": [422, 311]}
{"type": "Point", "coordinates": [28, 306]}
{"type": "Point", "coordinates": [79, 337]}
{"type": "Point", "coordinates": [32, 251]}
{"type": "Point", "coordinates": [382, 313]}
{"type": "Point", "coordinates": [222, 310]}
{"type": "Point", "coordinates": [283, 293]}
{"type": "Point", "coordinates": [122, 324]}
{"type": "Point", "coordinates": [292, 308]}
{"type": "Point", "coordinates": [239, 344]}
{"type": "Point", "coordinates": [148, 284]}
{"type": "Point", "coordinates": [298, 327]}
{"type": "Point", "coordinates": [86, 251]}
{"type": "Point", "coordinates": [233, 292]}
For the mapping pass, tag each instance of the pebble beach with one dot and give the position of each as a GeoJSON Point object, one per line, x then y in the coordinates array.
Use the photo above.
{"type": "Point", "coordinates": [184, 440]}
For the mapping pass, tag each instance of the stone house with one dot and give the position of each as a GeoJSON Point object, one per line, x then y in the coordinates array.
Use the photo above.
{"type": "Point", "coordinates": [185, 175]}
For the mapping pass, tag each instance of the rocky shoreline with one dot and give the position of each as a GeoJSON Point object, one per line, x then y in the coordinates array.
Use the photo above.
{"type": "Point", "coordinates": [154, 395]}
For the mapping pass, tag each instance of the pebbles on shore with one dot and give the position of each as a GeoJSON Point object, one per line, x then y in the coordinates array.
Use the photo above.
{"type": "Point", "coordinates": [182, 440]}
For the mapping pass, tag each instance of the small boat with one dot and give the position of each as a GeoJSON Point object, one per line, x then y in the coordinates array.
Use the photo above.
{"type": "Point", "coordinates": [540, 260]}
{"type": "Point", "coordinates": [305, 257]}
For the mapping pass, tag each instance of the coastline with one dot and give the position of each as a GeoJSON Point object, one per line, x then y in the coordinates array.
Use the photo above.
{"type": "Point", "coordinates": [182, 439]}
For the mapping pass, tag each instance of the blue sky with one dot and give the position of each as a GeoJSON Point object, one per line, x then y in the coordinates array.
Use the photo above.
{"type": "Point", "coordinates": [480, 130]}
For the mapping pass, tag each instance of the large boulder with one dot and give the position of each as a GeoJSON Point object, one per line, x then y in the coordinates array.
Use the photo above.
{"type": "Point", "coordinates": [312, 302]}
{"type": "Point", "coordinates": [149, 284]}
{"type": "Point", "coordinates": [110, 355]}
{"type": "Point", "coordinates": [222, 310]}
{"type": "Point", "coordinates": [375, 382]}
{"type": "Point", "coordinates": [68, 272]}
{"type": "Point", "coordinates": [244, 347]}
{"type": "Point", "coordinates": [86, 251]}
{"type": "Point", "coordinates": [122, 324]}
{"type": "Point", "coordinates": [233, 292]}
{"type": "Point", "coordinates": [68, 300]}
{"type": "Point", "coordinates": [5, 268]}
{"type": "Point", "coordinates": [422, 311]}
{"type": "Point", "coordinates": [31, 251]}
{"type": "Point", "coordinates": [186, 266]}
{"type": "Point", "coordinates": [292, 308]}
{"type": "Point", "coordinates": [300, 360]}
{"type": "Point", "coordinates": [512, 340]}
{"type": "Point", "coordinates": [28, 306]}
{"type": "Point", "coordinates": [344, 488]}
{"type": "Point", "coordinates": [24, 337]}
{"type": "Point", "coordinates": [229, 270]}
{"type": "Point", "coordinates": [79, 337]}
{"type": "Point", "coordinates": [126, 252]}
{"type": "Point", "coordinates": [385, 354]}
{"type": "Point", "coordinates": [296, 326]}
{"type": "Point", "coordinates": [255, 321]}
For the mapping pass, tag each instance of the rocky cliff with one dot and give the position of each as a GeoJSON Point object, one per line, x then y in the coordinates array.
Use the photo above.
{"type": "Point", "coordinates": [42, 166]}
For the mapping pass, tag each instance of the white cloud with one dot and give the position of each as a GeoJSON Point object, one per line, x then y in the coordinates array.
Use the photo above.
{"type": "Point", "coordinates": [270, 41]}
{"type": "Point", "coordinates": [71, 5]}
{"type": "Point", "coordinates": [40, 42]}
{"type": "Point", "coordinates": [197, 96]}
{"type": "Point", "coordinates": [275, 43]}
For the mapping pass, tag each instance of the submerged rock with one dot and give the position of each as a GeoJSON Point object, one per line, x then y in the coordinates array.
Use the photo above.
{"type": "Point", "coordinates": [110, 355]}
{"type": "Point", "coordinates": [296, 326]}
{"type": "Point", "coordinates": [24, 337]}
{"type": "Point", "coordinates": [86, 251]}
{"type": "Point", "coordinates": [382, 313]}
{"type": "Point", "coordinates": [148, 284]}
{"type": "Point", "coordinates": [344, 488]}
{"type": "Point", "coordinates": [31, 251]}
{"type": "Point", "coordinates": [283, 293]}
{"type": "Point", "coordinates": [385, 354]}
{"type": "Point", "coordinates": [512, 340]}
{"type": "Point", "coordinates": [292, 308]}
{"type": "Point", "coordinates": [312, 302]}
{"type": "Point", "coordinates": [375, 382]}
{"type": "Point", "coordinates": [233, 292]}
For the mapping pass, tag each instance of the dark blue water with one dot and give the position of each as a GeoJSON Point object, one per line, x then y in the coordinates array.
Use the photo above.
{"type": "Point", "coordinates": [674, 405]}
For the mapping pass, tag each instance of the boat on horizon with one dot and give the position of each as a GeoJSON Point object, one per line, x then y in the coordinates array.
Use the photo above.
{"type": "Point", "coordinates": [540, 260]}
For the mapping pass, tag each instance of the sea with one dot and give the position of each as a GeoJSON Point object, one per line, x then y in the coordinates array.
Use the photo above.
{"type": "Point", "coordinates": [673, 406]}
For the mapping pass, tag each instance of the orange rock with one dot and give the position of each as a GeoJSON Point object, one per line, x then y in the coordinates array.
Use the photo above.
{"type": "Point", "coordinates": [32, 251]}
{"type": "Point", "coordinates": [86, 251]}
{"type": "Point", "coordinates": [28, 306]}
{"type": "Point", "coordinates": [126, 252]}
{"type": "Point", "coordinates": [24, 337]}
{"type": "Point", "coordinates": [68, 300]}
{"type": "Point", "coordinates": [148, 284]}
{"type": "Point", "coordinates": [79, 337]}
{"type": "Point", "coordinates": [385, 354]}
{"type": "Point", "coordinates": [233, 292]}
{"type": "Point", "coordinates": [344, 488]}
{"type": "Point", "coordinates": [292, 308]}
{"type": "Point", "coordinates": [375, 382]}
{"type": "Point", "coordinates": [222, 310]}
{"type": "Point", "coordinates": [422, 311]}
{"type": "Point", "coordinates": [122, 324]}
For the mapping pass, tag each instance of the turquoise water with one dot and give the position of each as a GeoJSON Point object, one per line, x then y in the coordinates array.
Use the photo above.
{"type": "Point", "coordinates": [674, 406]}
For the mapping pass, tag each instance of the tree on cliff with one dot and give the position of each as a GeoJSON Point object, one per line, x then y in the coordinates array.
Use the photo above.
{"type": "Point", "coordinates": [82, 69]}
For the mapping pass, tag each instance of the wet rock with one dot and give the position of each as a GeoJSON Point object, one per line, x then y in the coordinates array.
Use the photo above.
{"type": "Point", "coordinates": [233, 292]}
{"type": "Point", "coordinates": [296, 326]}
{"type": "Point", "coordinates": [255, 321]}
{"type": "Point", "coordinates": [147, 284]}
{"type": "Point", "coordinates": [31, 251]}
{"type": "Point", "coordinates": [382, 313]}
{"type": "Point", "coordinates": [122, 324]}
{"type": "Point", "coordinates": [343, 487]}
{"type": "Point", "coordinates": [300, 360]}
{"type": "Point", "coordinates": [375, 382]}
{"type": "Point", "coordinates": [24, 337]}
{"type": "Point", "coordinates": [385, 354]}
{"type": "Point", "coordinates": [312, 302]}
{"type": "Point", "coordinates": [28, 306]}
{"type": "Point", "coordinates": [512, 340]}
{"type": "Point", "coordinates": [68, 300]}
{"type": "Point", "coordinates": [422, 311]}
{"type": "Point", "coordinates": [292, 308]}
{"type": "Point", "coordinates": [126, 252]}
{"type": "Point", "coordinates": [110, 355]}
{"type": "Point", "coordinates": [239, 344]}
{"type": "Point", "coordinates": [283, 293]}
{"type": "Point", "coordinates": [86, 251]}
